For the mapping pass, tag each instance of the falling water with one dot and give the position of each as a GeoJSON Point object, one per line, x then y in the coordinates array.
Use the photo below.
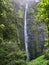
{"type": "Point", "coordinates": [25, 31]}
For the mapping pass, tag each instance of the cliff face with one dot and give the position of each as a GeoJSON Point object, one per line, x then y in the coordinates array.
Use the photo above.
{"type": "Point", "coordinates": [36, 31]}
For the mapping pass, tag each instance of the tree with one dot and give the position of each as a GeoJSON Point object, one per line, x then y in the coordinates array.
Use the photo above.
{"type": "Point", "coordinates": [10, 52]}
{"type": "Point", "coordinates": [43, 15]}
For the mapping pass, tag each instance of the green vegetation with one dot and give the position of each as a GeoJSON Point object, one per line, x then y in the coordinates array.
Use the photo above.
{"type": "Point", "coordinates": [12, 47]}
{"type": "Point", "coordinates": [39, 61]}
{"type": "Point", "coordinates": [43, 15]}
{"type": "Point", "coordinates": [11, 52]}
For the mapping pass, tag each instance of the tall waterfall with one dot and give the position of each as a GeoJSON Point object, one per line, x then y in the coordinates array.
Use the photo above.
{"type": "Point", "coordinates": [25, 31]}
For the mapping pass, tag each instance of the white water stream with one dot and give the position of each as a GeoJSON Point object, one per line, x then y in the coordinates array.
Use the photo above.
{"type": "Point", "coordinates": [25, 31]}
{"type": "Point", "coordinates": [25, 27]}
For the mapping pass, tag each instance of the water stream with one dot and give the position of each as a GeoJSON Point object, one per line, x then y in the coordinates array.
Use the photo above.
{"type": "Point", "coordinates": [25, 31]}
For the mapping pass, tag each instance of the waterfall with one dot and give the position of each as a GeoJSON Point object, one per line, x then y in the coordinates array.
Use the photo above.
{"type": "Point", "coordinates": [25, 31]}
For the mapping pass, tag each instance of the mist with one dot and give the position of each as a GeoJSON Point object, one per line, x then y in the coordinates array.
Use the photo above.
{"type": "Point", "coordinates": [24, 1]}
